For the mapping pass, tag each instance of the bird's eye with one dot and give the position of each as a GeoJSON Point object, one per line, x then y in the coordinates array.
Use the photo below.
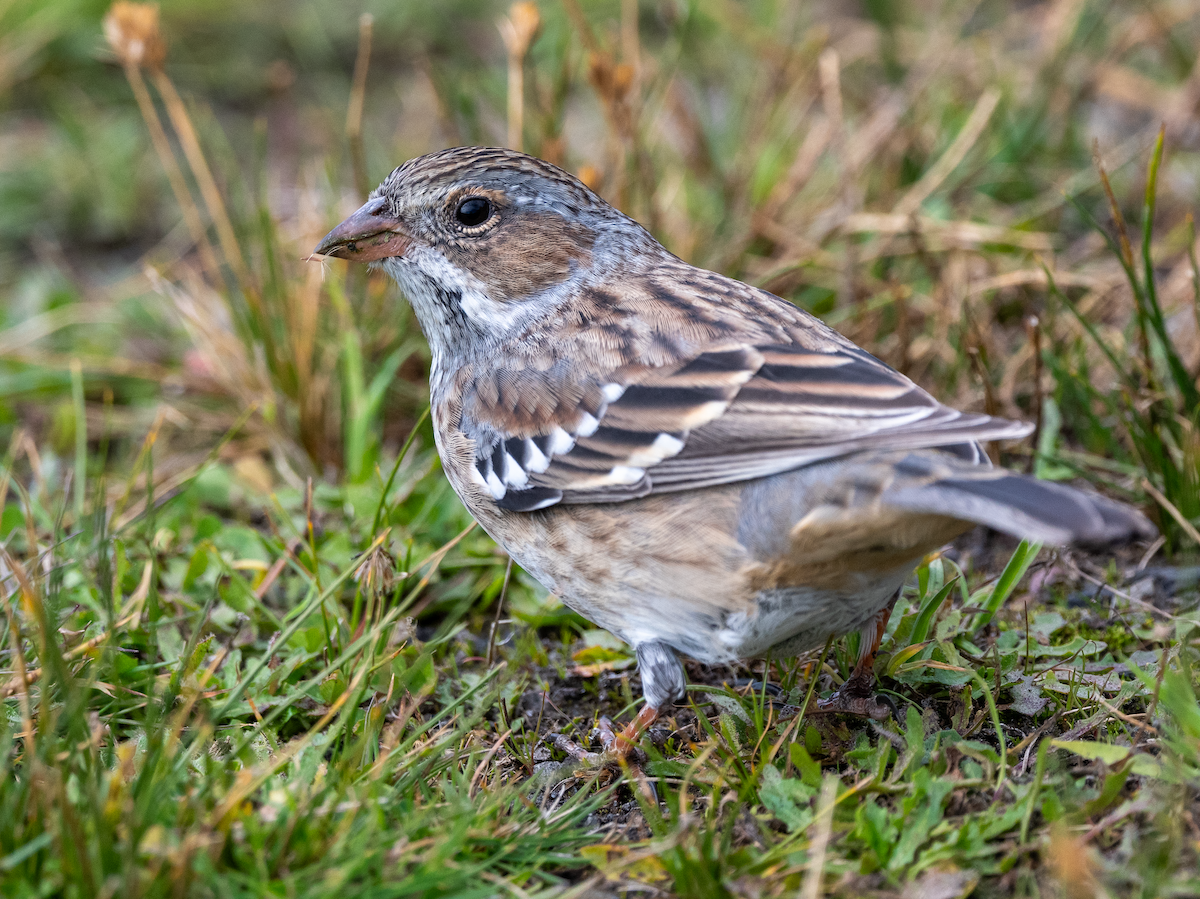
{"type": "Point", "coordinates": [473, 211]}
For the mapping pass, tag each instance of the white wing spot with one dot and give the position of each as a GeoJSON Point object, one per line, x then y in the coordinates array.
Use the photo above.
{"type": "Point", "coordinates": [514, 474]}
{"type": "Point", "coordinates": [663, 447]}
{"type": "Point", "coordinates": [625, 474]}
{"type": "Point", "coordinates": [494, 485]}
{"type": "Point", "coordinates": [703, 414]}
{"type": "Point", "coordinates": [538, 461]}
{"type": "Point", "coordinates": [587, 425]}
{"type": "Point", "coordinates": [560, 442]}
{"type": "Point", "coordinates": [612, 392]}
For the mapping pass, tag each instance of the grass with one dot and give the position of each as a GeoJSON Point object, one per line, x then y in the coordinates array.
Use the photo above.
{"type": "Point", "coordinates": [252, 644]}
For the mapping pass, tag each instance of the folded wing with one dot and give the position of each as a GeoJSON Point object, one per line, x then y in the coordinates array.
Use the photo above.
{"type": "Point", "coordinates": [731, 410]}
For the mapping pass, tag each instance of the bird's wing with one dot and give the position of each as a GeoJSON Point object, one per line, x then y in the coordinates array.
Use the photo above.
{"type": "Point", "coordinates": [736, 407]}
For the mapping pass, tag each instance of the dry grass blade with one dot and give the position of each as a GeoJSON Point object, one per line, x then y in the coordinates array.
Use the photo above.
{"type": "Point", "coordinates": [939, 235]}
{"type": "Point", "coordinates": [123, 42]}
{"type": "Point", "coordinates": [812, 889]}
{"type": "Point", "coordinates": [1172, 510]}
{"type": "Point", "coordinates": [518, 30]}
{"type": "Point", "coordinates": [213, 201]}
{"type": "Point", "coordinates": [358, 93]}
{"type": "Point", "coordinates": [37, 327]}
{"type": "Point", "coordinates": [808, 155]}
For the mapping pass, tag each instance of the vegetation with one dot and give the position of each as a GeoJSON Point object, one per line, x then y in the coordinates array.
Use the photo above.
{"type": "Point", "coordinates": [252, 643]}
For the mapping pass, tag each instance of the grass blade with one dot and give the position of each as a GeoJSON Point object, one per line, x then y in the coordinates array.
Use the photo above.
{"type": "Point", "coordinates": [1021, 559]}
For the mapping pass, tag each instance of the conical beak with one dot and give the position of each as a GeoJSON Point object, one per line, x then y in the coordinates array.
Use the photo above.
{"type": "Point", "coordinates": [369, 234]}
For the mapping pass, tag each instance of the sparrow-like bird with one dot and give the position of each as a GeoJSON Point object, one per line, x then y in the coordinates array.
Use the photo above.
{"type": "Point", "coordinates": [690, 462]}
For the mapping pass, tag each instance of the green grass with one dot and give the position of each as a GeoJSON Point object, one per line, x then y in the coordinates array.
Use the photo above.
{"type": "Point", "coordinates": [252, 645]}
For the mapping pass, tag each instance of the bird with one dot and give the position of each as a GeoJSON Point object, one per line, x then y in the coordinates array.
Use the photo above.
{"type": "Point", "coordinates": [692, 463]}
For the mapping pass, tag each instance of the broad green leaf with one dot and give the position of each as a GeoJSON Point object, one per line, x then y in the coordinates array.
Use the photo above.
{"type": "Point", "coordinates": [900, 657]}
{"type": "Point", "coordinates": [929, 611]}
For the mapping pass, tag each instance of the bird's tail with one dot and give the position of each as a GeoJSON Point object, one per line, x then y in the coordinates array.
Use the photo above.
{"type": "Point", "coordinates": [1015, 504]}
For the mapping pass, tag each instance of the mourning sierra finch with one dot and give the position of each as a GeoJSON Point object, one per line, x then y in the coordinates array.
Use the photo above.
{"type": "Point", "coordinates": [692, 463]}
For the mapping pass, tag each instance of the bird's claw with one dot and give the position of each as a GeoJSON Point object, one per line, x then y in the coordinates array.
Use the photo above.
{"type": "Point", "coordinates": [619, 750]}
{"type": "Point", "coordinates": [877, 708]}
{"type": "Point", "coordinates": [856, 697]}
{"type": "Point", "coordinates": [573, 750]}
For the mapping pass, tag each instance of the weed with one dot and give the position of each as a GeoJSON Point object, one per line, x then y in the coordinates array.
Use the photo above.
{"type": "Point", "coordinates": [252, 643]}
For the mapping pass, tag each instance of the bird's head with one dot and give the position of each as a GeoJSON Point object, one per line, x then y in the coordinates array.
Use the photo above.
{"type": "Point", "coordinates": [480, 239]}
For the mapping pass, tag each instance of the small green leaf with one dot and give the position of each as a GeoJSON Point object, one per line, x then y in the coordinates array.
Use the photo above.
{"type": "Point", "coordinates": [728, 705]}
{"type": "Point", "coordinates": [332, 687]}
{"type": "Point", "coordinates": [902, 656]}
{"type": "Point", "coordinates": [197, 565]}
{"type": "Point", "coordinates": [1141, 764]}
{"type": "Point", "coordinates": [810, 771]}
{"type": "Point", "coordinates": [236, 593]}
{"type": "Point", "coordinates": [788, 799]}
{"type": "Point", "coordinates": [929, 611]}
{"type": "Point", "coordinates": [812, 740]}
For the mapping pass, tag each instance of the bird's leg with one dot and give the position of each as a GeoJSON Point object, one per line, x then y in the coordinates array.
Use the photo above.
{"type": "Point", "coordinates": [619, 745]}
{"type": "Point", "coordinates": [862, 678]}
{"type": "Point", "coordinates": [857, 695]}
{"type": "Point", "coordinates": [663, 683]}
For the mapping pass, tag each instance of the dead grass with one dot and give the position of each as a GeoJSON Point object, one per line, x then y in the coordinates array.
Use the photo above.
{"type": "Point", "coordinates": [212, 680]}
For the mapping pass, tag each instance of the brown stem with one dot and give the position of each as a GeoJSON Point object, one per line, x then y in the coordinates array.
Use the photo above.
{"type": "Point", "coordinates": [182, 123]}
{"type": "Point", "coordinates": [354, 114]}
{"type": "Point", "coordinates": [183, 196]}
{"type": "Point", "coordinates": [1034, 330]}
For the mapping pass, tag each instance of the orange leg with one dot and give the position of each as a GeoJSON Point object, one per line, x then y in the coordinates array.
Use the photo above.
{"type": "Point", "coordinates": [620, 745]}
{"type": "Point", "coordinates": [663, 683]}
{"type": "Point", "coordinates": [872, 636]}
{"type": "Point", "coordinates": [857, 694]}
{"type": "Point", "coordinates": [617, 746]}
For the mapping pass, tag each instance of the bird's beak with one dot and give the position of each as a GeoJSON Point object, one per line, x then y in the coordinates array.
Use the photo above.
{"type": "Point", "coordinates": [369, 234]}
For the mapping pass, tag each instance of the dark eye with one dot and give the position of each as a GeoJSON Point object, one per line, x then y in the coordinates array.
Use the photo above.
{"type": "Point", "coordinates": [473, 211]}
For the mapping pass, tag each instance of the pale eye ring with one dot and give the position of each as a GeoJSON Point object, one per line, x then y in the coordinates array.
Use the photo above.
{"type": "Point", "coordinates": [473, 211]}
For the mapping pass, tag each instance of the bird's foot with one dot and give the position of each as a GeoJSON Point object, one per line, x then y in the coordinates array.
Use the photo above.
{"type": "Point", "coordinates": [610, 756]}
{"type": "Point", "coordinates": [617, 748]}
{"type": "Point", "coordinates": [857, 696]}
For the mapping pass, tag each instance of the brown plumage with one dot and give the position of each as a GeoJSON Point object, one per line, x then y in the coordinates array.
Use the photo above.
{"type": "Point", "coordinates": [689, 461]}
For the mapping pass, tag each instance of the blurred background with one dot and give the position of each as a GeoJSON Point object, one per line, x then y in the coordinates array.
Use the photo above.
{"type": "Point", "coordinates": [251, 634]}
{"type": "Point", "coordinates": [908, 171]}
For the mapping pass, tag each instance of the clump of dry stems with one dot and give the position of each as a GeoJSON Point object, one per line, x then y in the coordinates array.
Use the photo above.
{"type": "Point", "coordinates": [518, 31]}
{"type": "Point", "coordinates": [259, 346]}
